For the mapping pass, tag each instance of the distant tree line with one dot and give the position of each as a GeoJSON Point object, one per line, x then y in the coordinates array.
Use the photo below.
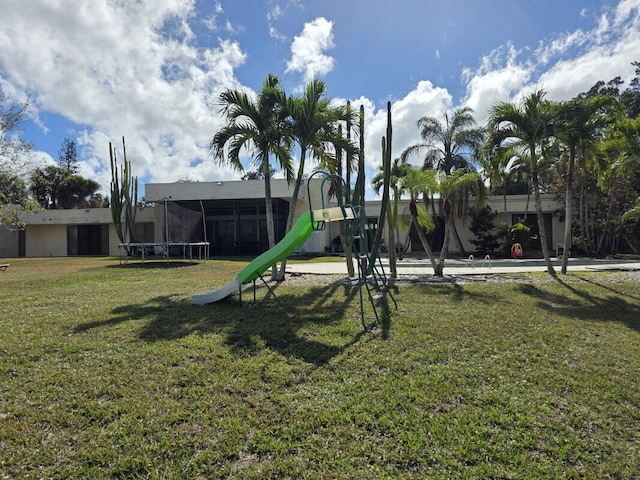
{"type": "Point", "coordinates": [24, 188]}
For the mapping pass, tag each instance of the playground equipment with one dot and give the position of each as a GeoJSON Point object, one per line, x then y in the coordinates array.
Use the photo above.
{"type": "Point", "coordinates": [516, 251]}
{"type": "Point", "coordinates": [371, 280]}
{"type": "Point", "coordinates": [292, 241]}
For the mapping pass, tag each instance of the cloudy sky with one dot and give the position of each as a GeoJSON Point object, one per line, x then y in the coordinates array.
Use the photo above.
{"type": "Point", "coordinates": [152, 71]}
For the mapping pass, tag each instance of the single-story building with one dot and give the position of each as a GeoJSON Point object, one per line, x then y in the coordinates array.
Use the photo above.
{"type": "Point", "coordinates": [230, 216]}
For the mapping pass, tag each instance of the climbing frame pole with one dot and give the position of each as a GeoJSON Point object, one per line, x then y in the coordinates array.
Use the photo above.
{"type": "Point", "coordinates": [372, 278]}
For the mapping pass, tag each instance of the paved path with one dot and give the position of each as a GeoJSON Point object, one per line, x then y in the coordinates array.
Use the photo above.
{"type": "Point", "coordinates": [412, 266]}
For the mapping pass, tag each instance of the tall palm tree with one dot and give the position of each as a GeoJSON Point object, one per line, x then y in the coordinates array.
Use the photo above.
{"type": "Point", "coordinates": [448, 146]}
{"type": "Point", "coordinates": [580, 123]}
{"type": "Point", "coordinates": [529, 125]}
{"type": "Point", "coordinates": [259, 126]}
{"type": "Point", "coordinates": [314, 127]}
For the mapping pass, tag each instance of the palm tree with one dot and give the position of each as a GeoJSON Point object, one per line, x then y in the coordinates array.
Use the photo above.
{"type": "Point", "coordinates": [454, 190]}
{"type": "Point", "coordinates": [528, 125]}
{"type": "Point", "coordinates": [501, 165]}
{"type": "Point", "coordinates": [417, 182]}
{"type": "Point", "coordinates": [623, 149]}
{"type": "Point", "coordinates": [579, 124]}
{"type": "Point", "coordinates": [259, 126]}
{"type": "Point", "coordinates": [314, 126]}
{"type": "Point", "coordinates": [448, 147]}
{"type": "Point", "coordinates": [625, 144]}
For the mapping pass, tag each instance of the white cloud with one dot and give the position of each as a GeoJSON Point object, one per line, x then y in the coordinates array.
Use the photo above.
{"type": "Point", "coordinates": [560, 45]}
{"type": "Point", "coordinates": [563, 66]}
{"type": "Point", "coordinates": [274, 33]}
{"type": "Point", "coordinates": [278, 9]}
{"type": "Point", "coordinates": [129, 68]}
{"type": "Point", "coordinates": [307, 50]}
{"type": "Point", "coordinates": [497, 79]}
{"type": "Point", "coordinates": [423, 100]}
{"type": "Point", "coordinates": [275, 12]}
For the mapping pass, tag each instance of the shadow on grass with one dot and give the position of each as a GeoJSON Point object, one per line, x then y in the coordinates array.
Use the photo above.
{"type": "Point", "coordinates": [249, 326]}
{"type": "Point", "coordinates": [149, 264]}
{"type": "Point", "coordinates": [456, 291]}
{"type": "Point", "coordinates": [579, 301]}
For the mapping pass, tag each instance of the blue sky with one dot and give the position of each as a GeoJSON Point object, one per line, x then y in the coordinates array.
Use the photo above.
{"type": "Point", "coordinates": [152, 71]}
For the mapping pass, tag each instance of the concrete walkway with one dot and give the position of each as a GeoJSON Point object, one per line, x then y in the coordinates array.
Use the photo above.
{"type": "Point", "coordinates": [412, 266]}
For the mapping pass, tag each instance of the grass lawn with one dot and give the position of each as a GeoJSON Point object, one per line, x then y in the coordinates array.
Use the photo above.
{"type": "Point", "coordinates": [108, 371]}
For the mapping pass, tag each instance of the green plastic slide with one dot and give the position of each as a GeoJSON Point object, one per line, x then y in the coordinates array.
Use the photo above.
{"type": "Point", "coordinates": [292, 241]}
{"type": "Point", "coordinates": [299, 233]}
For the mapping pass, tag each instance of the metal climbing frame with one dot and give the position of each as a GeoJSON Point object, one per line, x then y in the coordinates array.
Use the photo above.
{"type": "Point", "coordinates": [372, 278]}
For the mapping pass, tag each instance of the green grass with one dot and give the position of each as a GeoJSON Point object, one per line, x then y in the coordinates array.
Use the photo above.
{"type": "Point", "coordinates": [108, 371]}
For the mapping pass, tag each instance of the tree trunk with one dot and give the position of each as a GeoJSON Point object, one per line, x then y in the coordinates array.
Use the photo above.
{"type": "Point", "coordinates": [568, 214]}
{"type": "Point", "coordinates": [612, 200]}
{"type": "Point", "coordinates": [407, 238]}
{"type": "Point", "coordinates": [422, 236]}
{"type": "Point", "coordinates": [583, 221]}
{"type": "Point", "coordinates": [456, 236]}
{"type": "Point", "coordinates": [346, 237]}
{"type": "Point", "coordinates": [269, 213]}
{"type": "Point", "coordinates": [448, 221]}
{"type": "Point", "coordinates": [541, 229]}
{"type": "Point", "coordinates": [292, 207]}
{"type": "Point", "coordinates": [506, 215]}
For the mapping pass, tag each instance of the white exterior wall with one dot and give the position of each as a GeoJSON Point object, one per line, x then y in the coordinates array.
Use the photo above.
{"type": "Point", "coordinates": [46, 232]}
{"type": "Point", "coordinates": [46, 241]}
{"type": "Point", "coordinates": [516, 204]}
{"type": "Point", "coordinates": [226, 190]}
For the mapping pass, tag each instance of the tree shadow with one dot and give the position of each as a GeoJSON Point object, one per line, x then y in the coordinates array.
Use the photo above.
{"type": "Point", "coordinates": [449, 286]}
{"type": "Point", "coordinates": [607, 287]}
{"type": "Point", "coordinates": [154, 264]}
{"type": "Point", "coordinates": [248, 327]}
{"type": "Point", "coordinates": [576, 302]}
